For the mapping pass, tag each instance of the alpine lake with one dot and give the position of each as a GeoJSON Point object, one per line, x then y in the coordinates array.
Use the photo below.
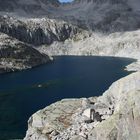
{"type": "Point", "coordinates": [23, 93]}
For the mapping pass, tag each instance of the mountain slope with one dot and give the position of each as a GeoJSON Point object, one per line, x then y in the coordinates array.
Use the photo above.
{"type": "Point", "coordinates": [37, 31]}
{"type": "Point", "coordinates": [16, 55]}
{"type": "Point", "coordinates": [83, 27]}
{"type": "Point", "coordinates": [102, 15]}
{"type": "Point", "coordinates": [97, 15]}
{"type": "Point", "coordinates": [27, 6]}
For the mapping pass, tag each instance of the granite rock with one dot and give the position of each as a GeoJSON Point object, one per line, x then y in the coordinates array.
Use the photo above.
{"type": "Point", "coordinates": [16, 55]}
{"type": "Point", "coordinates": [118, 109]}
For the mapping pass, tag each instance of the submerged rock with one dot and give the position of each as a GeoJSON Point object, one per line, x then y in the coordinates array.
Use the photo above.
{"type": "Point", "coordinates": [117, 115]}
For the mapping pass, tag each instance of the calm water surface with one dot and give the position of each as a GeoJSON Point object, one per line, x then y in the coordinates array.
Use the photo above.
{"type": "Point", "coordinates": [66, 77]}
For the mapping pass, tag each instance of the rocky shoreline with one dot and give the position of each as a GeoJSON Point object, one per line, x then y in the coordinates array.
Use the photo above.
{"type": "Point", "coordinates": [114, 115]}
{"type": "Point", "coordinates": [83, 27]}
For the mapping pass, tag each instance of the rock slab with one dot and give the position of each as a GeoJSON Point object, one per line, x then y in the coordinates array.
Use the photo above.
{"type": "Point", "coordinates": [116, 116]}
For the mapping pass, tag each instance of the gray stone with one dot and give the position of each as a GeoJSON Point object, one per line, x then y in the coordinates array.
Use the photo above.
{"type": "Point", "coordinates": [67, 117]}
{"type": "Point", "coordinates": [16, 55]}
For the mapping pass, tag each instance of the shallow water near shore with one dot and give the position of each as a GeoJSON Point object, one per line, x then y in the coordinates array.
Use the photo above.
{"type": "Point", "coordinates": [24, 93]}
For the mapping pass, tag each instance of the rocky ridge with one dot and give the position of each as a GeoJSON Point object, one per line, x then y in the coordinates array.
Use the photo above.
{"type": "Point", "coordinates": [96, 15]}
{"type": "Point", "coordinates": [122, 44]}
{"type": "Point", "coordinates": [16, 55]}
{"type": "Point", "coordinates": [37, 31]}
{"type": "Point", "coordinates": [24, 7]}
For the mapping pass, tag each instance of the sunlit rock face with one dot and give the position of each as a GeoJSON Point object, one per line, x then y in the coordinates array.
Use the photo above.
{"type": "Point", "coordinates": [37, 31]}
{"type": "Point", "coordinates": [116, 115]}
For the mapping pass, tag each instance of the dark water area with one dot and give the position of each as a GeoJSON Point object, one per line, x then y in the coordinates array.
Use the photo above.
{"type": "Point", "coordinates": [24, 93]}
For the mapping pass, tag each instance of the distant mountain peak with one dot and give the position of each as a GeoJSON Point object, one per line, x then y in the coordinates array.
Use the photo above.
{"type": "Point", "coordinates": [26, 5]}
{"type": "Point", "coordinates": [99, 15]}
